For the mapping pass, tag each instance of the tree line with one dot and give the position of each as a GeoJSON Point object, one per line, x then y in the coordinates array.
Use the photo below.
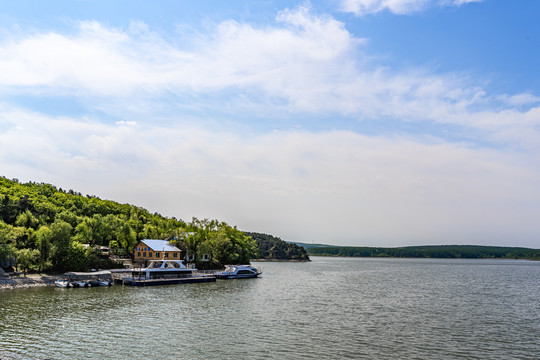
{"type": "Point", "coordinates": [435, 251]}
{"type": "Point", "coordinates": [46, 228]}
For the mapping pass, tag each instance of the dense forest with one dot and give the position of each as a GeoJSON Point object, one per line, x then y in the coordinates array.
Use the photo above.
{"type": "Point", "coordinates": [435, 251]}
{"type": "Point", "coordinates": [45, 228]}
{"type": "Point", "coordinates": [271, 247]}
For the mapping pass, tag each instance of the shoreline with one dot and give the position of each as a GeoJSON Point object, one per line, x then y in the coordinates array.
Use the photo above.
{"type": "Point", "coordinates": [30, 281]}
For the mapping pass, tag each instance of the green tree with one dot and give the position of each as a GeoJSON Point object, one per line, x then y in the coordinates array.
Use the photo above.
{"type": "Point", "coordinates": [61, 236]}
{"type": "Point", "coordinates": [27, 219]}
{"type": "Point", "coordinates": [76, 257]}
{"type": "Point", "coordinates": [7, 247]}
{"type": "Point", "coordinates": [44, 237]}
{"type": "Point", "coordinates": [26, 258]}
{"type": "Point", "coordinates": [113, 245]}
{"type": "Point", "coordinates": [93, 230]}
{"type": "Point", "coordinates": [126, 238]}
{"type": "Point", "coordinates": [228, 245]}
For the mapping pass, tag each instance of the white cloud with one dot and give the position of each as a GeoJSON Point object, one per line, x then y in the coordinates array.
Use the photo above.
{"type": "Point", "coordinates": [293, 62]}
{"type": "Point", "coordinates": [363, 7]}
{"type": "Point", "coordinates": [401, 7]}
{"type": "Point", "coordinates": [329, 186]}
{"type": "Point", "coordinates": [306, 63]}
{"type": "Point", "coordinates": [459, 2]}
{"type": "Point", "coordinates": [126, 123]}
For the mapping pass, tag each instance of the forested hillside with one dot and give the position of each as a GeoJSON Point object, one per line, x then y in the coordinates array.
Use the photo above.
{"type": "Point", "coordinates": [436, 251]}
{"type": "Point", "coordinates": [271, 247]}
{"type": "Point", "coordinates": [44, 228]}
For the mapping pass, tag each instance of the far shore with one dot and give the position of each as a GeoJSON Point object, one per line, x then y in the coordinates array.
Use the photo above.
{"type": "Point", "coordinates": [278, 260]}
{"type": "Point", "coordinates": [31, 280]}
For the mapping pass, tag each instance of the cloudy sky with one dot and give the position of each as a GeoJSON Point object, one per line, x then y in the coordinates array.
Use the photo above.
{"type": "Point", "coordinates": [348, 122]}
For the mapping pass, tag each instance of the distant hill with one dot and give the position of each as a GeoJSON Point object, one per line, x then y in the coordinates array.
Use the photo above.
{"type": "Point", "coordinates": [308, 246]}
{"type": "Point", "coordinates": [430, 251]}
{"type": "Point", "coordinates": [273, 248]}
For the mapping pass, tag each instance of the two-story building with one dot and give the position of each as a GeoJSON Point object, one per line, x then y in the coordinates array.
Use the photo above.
{"type": "Point", "coordinates": [150, 249]}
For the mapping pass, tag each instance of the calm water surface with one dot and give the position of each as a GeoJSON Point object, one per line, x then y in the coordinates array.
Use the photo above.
{"type": "Point", "coordinates": [330, 308]}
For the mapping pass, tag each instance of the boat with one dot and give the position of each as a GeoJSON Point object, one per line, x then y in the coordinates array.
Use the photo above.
{"type": "Point", "coordinates": [104, 283]}
{"type": "Point", "coordinates": [238, 272]}
{"type": "Point", "coordinates": [165, 272]}
{"type": "Point", "coordinates": [81, 284]}
{"type": "Point", "coordinates": [89, 279]}
{"type": "Point", "coordinates": [62, 283]}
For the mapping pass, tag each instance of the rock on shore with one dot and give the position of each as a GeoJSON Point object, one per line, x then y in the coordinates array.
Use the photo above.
{"type": "Point", "coordinates": [27, 282]}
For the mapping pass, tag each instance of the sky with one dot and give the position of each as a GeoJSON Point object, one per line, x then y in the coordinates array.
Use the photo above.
{"type": "Point", "coordinates": [344, 122]}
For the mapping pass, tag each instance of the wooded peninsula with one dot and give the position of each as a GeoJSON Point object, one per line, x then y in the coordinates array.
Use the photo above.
{"type": "Point", "coordinates": [47, 229]}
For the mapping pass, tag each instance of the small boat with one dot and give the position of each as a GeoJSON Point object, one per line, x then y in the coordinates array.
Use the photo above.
{"type": "Point", "coordinates": [165, 272]}
{"type": "Point", "coordinates": [62, 283]}
{"type": "Point", "coordinates": [89, 279]}
{"type": "Point", "coordinates": [238, 272]}
{"type": "Point", "coordinates": [81, 284]}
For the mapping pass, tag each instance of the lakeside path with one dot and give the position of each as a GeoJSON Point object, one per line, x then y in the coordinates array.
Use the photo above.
{"type": "Point", "coordinates": [31, 280]}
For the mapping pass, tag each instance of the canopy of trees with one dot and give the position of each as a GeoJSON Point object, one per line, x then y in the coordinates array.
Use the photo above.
{"type": "Point", "coordinates": [271, 247]}
{"type": "Point", "coordinates": [44, 228]}
{"type": "Point", "coordinates": [436, 251]}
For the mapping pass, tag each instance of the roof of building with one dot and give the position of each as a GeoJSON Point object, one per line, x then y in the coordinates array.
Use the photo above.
{"type": "Point", "coordinates": [159, 245]}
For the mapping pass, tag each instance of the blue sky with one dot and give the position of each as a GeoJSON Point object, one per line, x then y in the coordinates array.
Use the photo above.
{"type": "Point", "coordinates": [351, 122]}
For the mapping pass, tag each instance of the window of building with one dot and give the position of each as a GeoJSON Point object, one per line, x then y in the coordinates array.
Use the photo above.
{"type": "Point", "coordinates": [175, 254]}
{"type": "Point", "coordinates": [157, 255]}
{"type": "Point", "coordinates": [139, 254]}
{"type": "Point", "coordinates": [144, 254]}
{"type": "Point", "coordinates": [166, 255]}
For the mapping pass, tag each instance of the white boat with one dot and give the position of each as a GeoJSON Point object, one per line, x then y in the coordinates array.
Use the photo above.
{"type": "Point", "coordinates": [165, 272]}
{"type": "Point", "coordinates": [63, 283]}
{"type": "Point", "coordinates": [88, 279]}
{"type": "Point", "coordinates": [238, 272]}
{"type": "Point", "coordinates": [81, 284]}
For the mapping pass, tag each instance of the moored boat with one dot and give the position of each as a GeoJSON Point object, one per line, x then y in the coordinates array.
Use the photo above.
{"type": "Point", "coordinates": [89, 279]}
{"type": "Point", "coordinates": [165, 272]}
{"type": "Point", "coordinates": [62, 283]}
{"type": "Point", "coordinates": [238, 272]}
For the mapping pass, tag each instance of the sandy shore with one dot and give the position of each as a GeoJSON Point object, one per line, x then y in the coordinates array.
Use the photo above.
{"type": "Point", "coordinates": [31, 280]}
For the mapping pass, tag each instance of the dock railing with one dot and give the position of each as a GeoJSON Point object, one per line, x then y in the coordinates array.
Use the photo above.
{"type": "Point", "coordinates": [205, 272]}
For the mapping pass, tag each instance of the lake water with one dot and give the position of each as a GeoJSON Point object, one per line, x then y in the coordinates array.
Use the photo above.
{"type": "Point", "coordinates": [330, 308]}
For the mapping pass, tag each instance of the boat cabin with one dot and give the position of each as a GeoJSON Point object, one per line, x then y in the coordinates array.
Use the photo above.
{"type": "Point", "coordinates": [163, 269]}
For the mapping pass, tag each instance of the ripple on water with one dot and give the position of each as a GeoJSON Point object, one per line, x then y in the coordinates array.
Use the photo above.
{"type": "Point", "coordinates": [329, 308]}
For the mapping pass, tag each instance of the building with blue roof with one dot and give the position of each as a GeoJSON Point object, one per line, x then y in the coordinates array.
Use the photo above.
{"type": "Point", "coordinates": [151, 249]}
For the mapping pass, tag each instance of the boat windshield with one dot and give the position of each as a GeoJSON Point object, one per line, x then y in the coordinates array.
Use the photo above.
{"type": "Point", "coordinates": [165, 265]}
